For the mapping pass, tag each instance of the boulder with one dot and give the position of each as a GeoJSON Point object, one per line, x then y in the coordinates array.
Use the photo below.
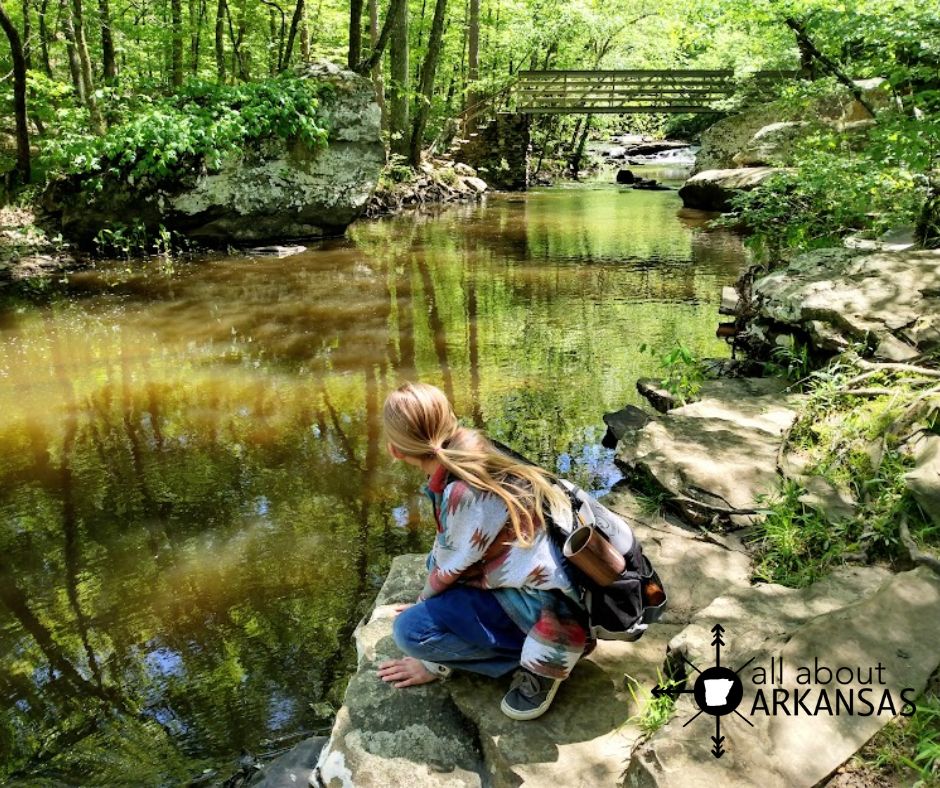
{"type": "Point", "coordinates": [383, 736]}
{"type": "Point", "coordinates": [879, 619]}
{"type": "Point", "coordinates": [712, 190]}
{"type": "Point", "coordinates": [276, 189]}
{"type": "Point", "coordinates": [924, 480]}
{"type": "Point", "coordinates": [771, 145]}
{"type": "Point", "coordinates": [716, 456]}
{"type": "Point", "coordinates": [476, 184]}
{"type": "Point", "coordinates": [891, 300]}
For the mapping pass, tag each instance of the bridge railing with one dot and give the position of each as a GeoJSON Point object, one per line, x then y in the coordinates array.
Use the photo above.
{"type": "Point", "coordinates": [622, 92]}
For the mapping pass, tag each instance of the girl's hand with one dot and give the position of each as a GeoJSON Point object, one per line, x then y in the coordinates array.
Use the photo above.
{"type": "Point", "coordinates": [405, 672]}
{"type": "Point", "coordinates": [400, 608]}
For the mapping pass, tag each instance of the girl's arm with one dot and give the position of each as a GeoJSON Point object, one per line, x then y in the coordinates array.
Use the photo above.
{"type": "Point", "coordinates": [471, 520]}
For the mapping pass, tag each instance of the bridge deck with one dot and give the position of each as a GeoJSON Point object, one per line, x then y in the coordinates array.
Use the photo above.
{"type": "Point", "coordinates": [623, 92]}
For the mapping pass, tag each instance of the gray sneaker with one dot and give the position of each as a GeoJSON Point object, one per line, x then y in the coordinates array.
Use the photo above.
{"type": "Point", "coordinates": [529, 695]}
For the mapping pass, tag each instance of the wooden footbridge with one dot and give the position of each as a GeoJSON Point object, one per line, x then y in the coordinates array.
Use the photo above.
{"type": "Point", "coordinates": [631, 92]}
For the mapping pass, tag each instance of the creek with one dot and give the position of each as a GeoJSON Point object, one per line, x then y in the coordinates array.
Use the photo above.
{"type": "Point", "coordinates": [197, 505]}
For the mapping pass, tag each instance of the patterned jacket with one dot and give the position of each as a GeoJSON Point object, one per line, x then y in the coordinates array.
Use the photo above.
{"type": "Point", "coordinates": [477, 546]}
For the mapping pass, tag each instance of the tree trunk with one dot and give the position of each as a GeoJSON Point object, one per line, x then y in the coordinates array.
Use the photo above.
{"type": "Point", "coordinates": [44, 38]}
{"type": "Point", "coordinates": [473, 64]}
{"type": "Point", "coordinates": [377, 68]}
{"type": "Point", "coordinates": [426, 86]}
{"type": "Point", "coordinates": [220, 41]}
{"type": "Point", "coordinates": [399, 72]}
{"type": "Point", "coordinates": [27, 44]}
{"type": "Point", "coordinates": [355, 34]}
{"type": "Point", "coordinates": [579, 151]}
{"type": "Point", "coordinates": [295, 22]}
{"type": "Point", "coordinates": [107, 42]}
{"type": "Point", "coordinates": [304, 41]}
{"type": "Point", "coordinates": [809, 50]}
{"type": "Point", "coordinates": [273, 65]}
{"type": "Point", "coordinates": [197, 15]}
{"type": "Point", "coordinates": [368, 64]}
{"type": "Point", "coordinates": [176, 43]}
{"type": "Point", "coordinates": [84, 60]}
{"type": "Point", "coordinates": [19, 96]}
{"type": "Point", "coordinates": [68, 32]}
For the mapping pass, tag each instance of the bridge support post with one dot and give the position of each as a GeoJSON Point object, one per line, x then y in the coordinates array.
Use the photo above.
{"type": "Point", "coordinates": [499, 151]}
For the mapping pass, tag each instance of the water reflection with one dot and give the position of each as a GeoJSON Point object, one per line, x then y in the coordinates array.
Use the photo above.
{"type": "Point", "coordinates": [196, 504]}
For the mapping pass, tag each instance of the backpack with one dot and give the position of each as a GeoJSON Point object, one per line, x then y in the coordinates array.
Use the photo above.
{"type": "Point", "coordinates": [625, 609]}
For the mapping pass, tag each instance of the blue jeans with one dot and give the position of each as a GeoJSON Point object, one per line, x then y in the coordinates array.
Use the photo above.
{"type": "Point", "coordinates": [463, 628]}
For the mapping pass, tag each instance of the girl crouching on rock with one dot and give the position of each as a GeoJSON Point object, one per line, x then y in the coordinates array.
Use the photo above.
{"type": "Point", "coordinates": [496, 598]}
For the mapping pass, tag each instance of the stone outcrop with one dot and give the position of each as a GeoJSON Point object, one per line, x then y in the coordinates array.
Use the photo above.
{"type": "Point", "coordinates": [782, 125]}
{"type": "Point", "coordinates": [767, 136]}
{"type": "Point", "coordinates": [716, 457]}
{"type": "Point", "coordinates": [278, 189]}
{"type": "Point", "coordinates": [880, 621]}
{"type": "Point", "coordinates": [712, 190]}
{"type": "Point", "coordinates": [453, 734]}
{"type": "Point", "coordinates": [924, 479]}
{"type": "Point", "coordinates": [771, 145]}
{"type": "Point", "coordinates": [837, 297]}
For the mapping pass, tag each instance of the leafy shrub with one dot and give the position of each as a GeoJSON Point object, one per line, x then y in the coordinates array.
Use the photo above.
{"type": "Point", "coordinates": [683, 371]}
{"type": "Point", "coordinates": [165, 137]}
{"type": "Point", "coordinates": [843, 183]}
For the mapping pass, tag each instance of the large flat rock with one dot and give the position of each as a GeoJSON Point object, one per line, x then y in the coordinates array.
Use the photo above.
{"type": "Point", "coordinates": [837, 296]}
{"type": "Point", "coordinates": [924, 479]}
{"type": "Point", "coordinates": [695, 567]}
{"type": "Point", "coordinates": [858, 618]}
{"type": "Point", "coordinates": [714, 456]}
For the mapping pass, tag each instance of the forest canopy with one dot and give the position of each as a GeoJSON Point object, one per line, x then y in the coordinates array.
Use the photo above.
{"type": "Point", "coordinates": [114, 85]}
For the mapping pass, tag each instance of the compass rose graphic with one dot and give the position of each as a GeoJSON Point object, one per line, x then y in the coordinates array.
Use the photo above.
{"type": "Point", "coordinates": [718, 691]}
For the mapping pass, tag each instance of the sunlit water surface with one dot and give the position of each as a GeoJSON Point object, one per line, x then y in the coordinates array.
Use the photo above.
{"type": "Point", "coordinates": [196, 501]}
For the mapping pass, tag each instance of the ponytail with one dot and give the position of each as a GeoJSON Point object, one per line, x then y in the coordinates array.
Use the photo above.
{"type": "Point", "coordinates": [421, 423]}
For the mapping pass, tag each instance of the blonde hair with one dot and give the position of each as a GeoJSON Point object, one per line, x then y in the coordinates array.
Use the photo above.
{"type": "Point", "coordinates": [420, 423]}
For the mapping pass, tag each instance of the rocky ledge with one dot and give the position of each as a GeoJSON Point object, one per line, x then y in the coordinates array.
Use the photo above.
{"type": "Point", "coordinates": [282, 189]}
{"type": "Point", "coordinates": [888, 302]}
{"type": "Point", "coordinates": [452, 733]}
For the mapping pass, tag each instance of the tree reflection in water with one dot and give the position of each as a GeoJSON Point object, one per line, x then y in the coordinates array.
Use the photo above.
{"type": "Point", "coordinates": [196, 502]}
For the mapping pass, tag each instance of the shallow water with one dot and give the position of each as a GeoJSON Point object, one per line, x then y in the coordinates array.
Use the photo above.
{"type": "Point", "coordinates": [196, 501]}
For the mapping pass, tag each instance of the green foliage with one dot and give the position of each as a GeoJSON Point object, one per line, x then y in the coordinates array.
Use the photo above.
{"type": "Point", "coordinates": [791, 361]}
{"type": "Point", "coordinates": [844, 183]}
{"type": "Point", "coordinates": [683, 370]}
{"type": "Point", "coordinates": [910, 745]}
{"type": "Point", "coordinates": [655, 711]}
{"type": "Point", "coordinates": [134, 241]}
{"type": "Point", "coordinates": [198, 126]}
{"type": "Point", "coordinates": [795, 545]}
{"type": "Point", "coordinates": [854, 444]}
{"type": "Point", "coordinates": [864, 180]}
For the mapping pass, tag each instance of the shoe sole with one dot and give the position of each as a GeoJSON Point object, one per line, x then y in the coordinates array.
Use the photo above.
{"type": "Point", "coordinates": [538, 711]}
